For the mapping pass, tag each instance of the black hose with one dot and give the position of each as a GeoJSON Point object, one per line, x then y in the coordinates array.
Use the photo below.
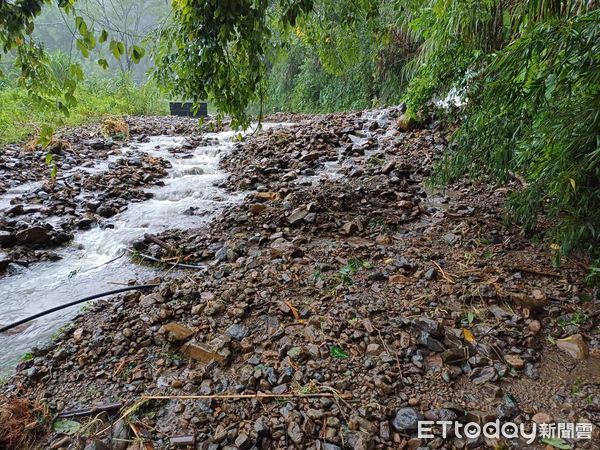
{"type": "Point", "coordinates": [81, 300]}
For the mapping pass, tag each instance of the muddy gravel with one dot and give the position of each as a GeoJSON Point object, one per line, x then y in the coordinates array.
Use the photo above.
{"type": "Point", "coordinates": [342, 301]}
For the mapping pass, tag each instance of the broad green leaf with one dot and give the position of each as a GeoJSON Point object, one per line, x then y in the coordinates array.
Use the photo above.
{"type": "Point", "coordinates": [81, 25]}
{"type": "Point", "coordinates": [558, 443]}
{"type": "Point", "coordinates": [76, 71]}
{"type": "Point", "coordinates": [103, 63]}
{"type": "Point", "coordinates": [117, 48]}
{"type": "Point", "coordinates": [103, 37]}
{"type": "Point", "coordinates": [137, 53]}
{"type": "Point", "coordinates": [63, 108]}
{"type": "Point", "coordinates": [90, 41]}
{"type": "Point", "coordinates": [46, 131]}
{"type": "Point", "coordinates": [45, 138]}
{"type": "Point", "coordinates": [82, 47]}
{"type": "Point", "coordinates": [337, 352]}
{"type": "Point", "coordinates": [69, 84]}
{"type": "Point", "coordinates": [70, 99]}
{"type": "Point", "coordinates": [68, 427]}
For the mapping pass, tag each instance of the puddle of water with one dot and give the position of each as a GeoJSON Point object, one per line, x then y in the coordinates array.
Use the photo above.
{"type": "Point", "coordinates": [83, 271]}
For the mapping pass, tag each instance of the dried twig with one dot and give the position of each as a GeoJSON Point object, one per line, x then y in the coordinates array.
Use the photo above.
{"type": "Point", "coordinates": [444, 275]}
{"type": "Point", "coordinates": [152, 258]}
{"type": "Point", "coordinates": [293, 309]}
{"type": "Point", "coordinates": [175, 264]}
{"type": "Point", "coordinates": [536, 272]}
{"type": "Point", "coordinates": [168, 247]}
{"type": "Point", "coordinates": [120, 366]}
{"type": "Point", "coordinates": [259, 395]}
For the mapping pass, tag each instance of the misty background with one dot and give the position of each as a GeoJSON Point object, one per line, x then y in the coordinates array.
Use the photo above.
{"type": "Point", "coordinates": [133, 22]}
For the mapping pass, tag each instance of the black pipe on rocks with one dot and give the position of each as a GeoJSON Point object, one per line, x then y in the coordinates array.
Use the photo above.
{"type": "Point", "coordinates": [76, 302]}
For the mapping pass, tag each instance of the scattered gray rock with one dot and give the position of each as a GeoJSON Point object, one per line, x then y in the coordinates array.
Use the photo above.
{"type": "Point", "coordinates": [106, 211]}
{"type": "Point", "coordinates": [34, 235]}
{"type": "Point", "coordinates": [237, 331]}
{"type": "Point", "coordinates": [406, 419]}
{"type": "Point", "coordinates": [482, 375]}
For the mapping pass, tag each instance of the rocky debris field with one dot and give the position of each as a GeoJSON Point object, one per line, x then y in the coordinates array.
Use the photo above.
{"type": "Point", "coordinates": [94, 181]}
{"type": "Point", "coordinates": [337, 305]}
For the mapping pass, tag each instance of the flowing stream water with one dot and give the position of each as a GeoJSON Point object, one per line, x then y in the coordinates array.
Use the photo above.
{"type": "Point", "coordinates": [88, 265]}
{"type": "Point", "coordinates": [83, 269]}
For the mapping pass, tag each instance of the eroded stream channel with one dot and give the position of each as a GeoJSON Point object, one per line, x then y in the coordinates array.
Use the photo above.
{"type": "Point", "coordinates": [331, 271]}
{"type": "Point", "coordinates": [97, 260]}
{"type": "Point", "coordinates": [91, 264]}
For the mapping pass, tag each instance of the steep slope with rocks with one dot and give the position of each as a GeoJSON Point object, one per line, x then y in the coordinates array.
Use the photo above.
{"type": "Point", "coordinates": [337, 305]}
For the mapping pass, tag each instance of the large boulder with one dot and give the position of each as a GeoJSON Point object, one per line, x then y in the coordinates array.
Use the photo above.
{"type": "Point", "coordinates": [33, 235]}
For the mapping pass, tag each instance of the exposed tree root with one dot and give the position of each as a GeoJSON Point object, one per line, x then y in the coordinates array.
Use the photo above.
{"type": "Point", "coordinates": [22, 422]}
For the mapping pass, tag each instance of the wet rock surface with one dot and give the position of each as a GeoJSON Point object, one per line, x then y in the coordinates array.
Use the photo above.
{"type": "Point", "coordinates": [336, 306]}
{"type": "Point", "coordinates": [95, 180]}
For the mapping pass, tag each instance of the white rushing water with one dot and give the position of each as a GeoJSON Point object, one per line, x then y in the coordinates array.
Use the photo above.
{"type": "Point", "coordinates": [17, 191]}
{"type": "Point", "coordinates": [83, 269]}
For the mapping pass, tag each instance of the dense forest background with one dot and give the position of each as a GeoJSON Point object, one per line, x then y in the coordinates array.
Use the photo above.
{"type": "Point", "coordinates": [519, 80]}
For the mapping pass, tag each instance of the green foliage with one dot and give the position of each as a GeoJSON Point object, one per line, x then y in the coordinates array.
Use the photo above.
{"type": "Point", "coordinates": [452, 37]}
{"type": "Point", "coordinates": [350, 269]}
{"type": "Point", "coordinates": [557, 443]}
{"type": "Point", "coordinates": [60, 332]}
{"type": "Point", "coordinates": [52, 79]}
{"type": "Point", "coordinates": [65, 426]}
{"type": "Point", "coordinates": [337, 352]}
{"type": "Point", "coordinates": [22, 115]}
{"type": "Point", "coordinates": [535, 111]}
{"type": "Point", "coordinates": [344, 56]}
{"type": "Point", "coordinates": [216, 50]}
{"type": "Point", "coordinates": [577, 318]}
{"type": "Point", "coordinates": [594, 275]}
{"type": "Point", "coordinates": [49, 157]}
{"type": "Point", "coordinates": [312, 89]}
{"type": "Point", "coordinates": [525, 74]}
